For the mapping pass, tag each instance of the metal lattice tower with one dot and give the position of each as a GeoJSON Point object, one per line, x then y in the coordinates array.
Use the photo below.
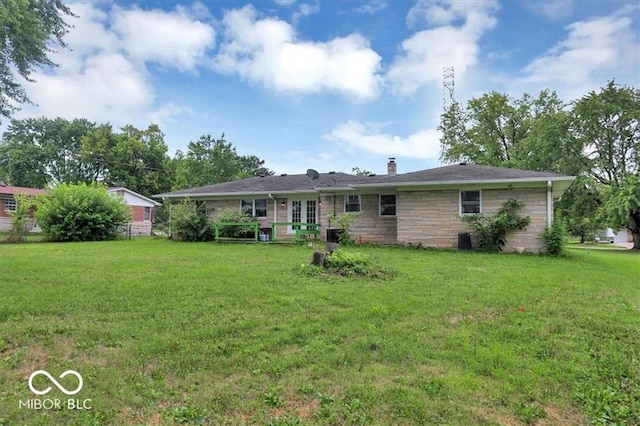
{"type": "Point", "coordinates": [448, 87]}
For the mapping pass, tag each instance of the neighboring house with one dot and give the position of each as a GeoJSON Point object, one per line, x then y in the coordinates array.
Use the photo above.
{"type": "Point", "coordinates": [142, 207]}
{"type": "Point", "coordinates": [8, 203]}
{"type": "Point", "coordinates": [421, 207]}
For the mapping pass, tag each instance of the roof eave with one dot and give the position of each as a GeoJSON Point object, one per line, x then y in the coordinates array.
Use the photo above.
{"type": "Point", "coordinates": [542, 180]}
{"type": "Point", "coordinates": [233, 194]}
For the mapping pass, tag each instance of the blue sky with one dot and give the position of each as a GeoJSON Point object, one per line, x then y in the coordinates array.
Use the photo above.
{"type": "Point", "coordinates": [322, 84]}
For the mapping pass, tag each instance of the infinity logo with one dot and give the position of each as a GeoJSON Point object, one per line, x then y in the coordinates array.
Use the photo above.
{"type": "Point", "coordinates": [55, 382]}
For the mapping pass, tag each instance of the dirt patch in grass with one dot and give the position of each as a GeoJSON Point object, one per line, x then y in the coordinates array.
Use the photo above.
{"type": "Point", "coordinates": [303, 409]}
{"type": "Point", "coordinates": [496, 415]}
{"type": "Point", "coordinates": [36, 358]}
{"type": "Point", "coordinates": [564, 416]}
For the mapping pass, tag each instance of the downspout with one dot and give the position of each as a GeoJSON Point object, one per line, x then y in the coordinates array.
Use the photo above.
{"type": "Point", "coordinates": [275, 208]}
{"type": "Point", "coordinates": [169, 204]}
{"type": "Point", "coordinates": [549, 203]}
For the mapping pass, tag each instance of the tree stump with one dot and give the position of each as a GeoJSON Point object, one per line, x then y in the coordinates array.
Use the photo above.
{"type": "Point", "coordinates": [319, 258]}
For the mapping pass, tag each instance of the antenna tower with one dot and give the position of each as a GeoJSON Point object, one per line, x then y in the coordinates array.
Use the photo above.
{"type": "Point", "coordinates": [448, 87]}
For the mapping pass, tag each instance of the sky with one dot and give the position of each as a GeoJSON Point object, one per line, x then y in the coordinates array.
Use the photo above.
{"type": "Point", "coordinates": [325, 84]}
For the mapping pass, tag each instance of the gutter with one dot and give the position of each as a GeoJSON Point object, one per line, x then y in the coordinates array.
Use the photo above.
{"type": "Point", "coordinates": [463, 182]}
{"type": "Point", "coordinates": [549, 203]}
{"type": "Point", "coordinates": [232, 194]}
{"type": "Point", "coordinates": [275, 207]}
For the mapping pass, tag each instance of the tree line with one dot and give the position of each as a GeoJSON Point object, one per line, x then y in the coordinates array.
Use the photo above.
{"type": "Point", "coordinates": [37, 152]}
{"type": "Point", "coordinates": [596, 138]}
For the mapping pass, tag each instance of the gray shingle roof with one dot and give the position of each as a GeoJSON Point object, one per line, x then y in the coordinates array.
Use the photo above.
{"type": "Point", "coordinates": [271, 184]}
{"type": "Point", "coordinates": [464, 172]}
{"type": "Point", "coordinates": [327, 181]}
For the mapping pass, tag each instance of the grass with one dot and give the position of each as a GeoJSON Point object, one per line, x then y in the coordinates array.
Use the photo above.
{"type": "Point", "coordinates": [175, 333]}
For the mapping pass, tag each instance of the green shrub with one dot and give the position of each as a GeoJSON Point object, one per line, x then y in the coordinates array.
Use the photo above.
{"type": "Point", "coordinates": [343, 222]}
{"type": "Point", "coordinates": [555, 237]}
{"type": "Point", "coordinates": [347, 263]}
{"type": "Point", "coordinates": [189, 221]}
{"type": "Point", "coordinates": [20, 218]}
{"type": "Point", "coordinates": [236, 231]}
{"type": "Point", "coordinates": [81, 212]}
{"type": "Point", "coordinates": [492, 229]}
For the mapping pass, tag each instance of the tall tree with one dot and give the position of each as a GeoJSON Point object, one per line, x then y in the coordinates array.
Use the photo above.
{"type": "Point", "coordinates": [579, 206]}
{"type": "Point", "coordinates": [97, 152]}
{"type": "Point", "coordinates": [37, 151]}
{"type": "Point", "coordinates": [250, 166]}
{"type": "Point", "coordinates": [139, 161]}
{"type": "Point", "coordinates": [491, 128]}
{"type": "Point", "coordinates": [607, 124]}
{"type": "Point", "coordinates": [27, 29]}
{"type": "Point", "coordinates": [210, 161]}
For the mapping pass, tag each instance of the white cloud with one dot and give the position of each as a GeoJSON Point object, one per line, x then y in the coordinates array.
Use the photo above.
{"type": "Point", "coordinates": [267, 51]}
{"type": "Point", "coordinates": [603, 47]}
{"type": "Point", "coordinates": [553, 10]}
{"type": "Point", "coordinates": [305, 9]}
{"type": "Point", "coordinates": [369, 138]}
{"type": "Point", "coordinates": [427, 52]}
{"type": "Point", "coordinates": [108, 87]}
{"type": "Point", "coordinates": [172, 39]}
{"type": "Point", "coordinates": [446, 12]}
{"type": "Point", "coordinates": [103, 75]}
{"type": "Point", "coordinates": [372, 7]}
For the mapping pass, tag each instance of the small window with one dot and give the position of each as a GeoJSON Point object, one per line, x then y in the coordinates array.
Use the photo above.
{"type": "Point", "coordinates": [10, 205]}
{"type": "Point", "coordinates": [246, 206]}
{"type": "Point", "coordinates": [256, 208]}
{"type": "Point", "coordinates": [351, 203]}
{"type": "Point", "coordinates": [260, 208]}
{"type": "Point", "coordinates": [147, 214]}
{"type": "Point", "coordinates": [387, 205]}
{"type": "Point", "coordinates": [469, 202]}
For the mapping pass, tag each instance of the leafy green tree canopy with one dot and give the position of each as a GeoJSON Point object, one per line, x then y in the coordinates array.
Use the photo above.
{"type": "Point", "coordinates": [210, 161]}
{"type": "Point", "coordinates": [607, 124]}
{"type": "Point", "coordinates": [38, 151]}
{"type": "Point", "coordinates": [491, 128]}
{"type": "Point", "coordinates": [27, 27]}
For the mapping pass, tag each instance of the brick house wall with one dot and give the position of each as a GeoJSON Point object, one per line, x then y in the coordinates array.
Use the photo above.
{"type": "Point", "coordinates": [431, 218]}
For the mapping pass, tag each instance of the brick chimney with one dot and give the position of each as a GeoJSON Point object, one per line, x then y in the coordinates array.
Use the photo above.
{"type": "Point", "coordinates": [392, 167]}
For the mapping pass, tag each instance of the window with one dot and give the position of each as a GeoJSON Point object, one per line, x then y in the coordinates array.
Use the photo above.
{"type": "Point", "coordinates": [147, 214]}
{"type": "Point", "coordinates": [256, 208]}
{"type": "Point", "coordinates": [10, 205]}
{"type": "Point", "coordinates": [470, 202]}
{"type": "Point", "coordinates": [351, 203]}
{"type": "Point", "coordinates": [387, 205]}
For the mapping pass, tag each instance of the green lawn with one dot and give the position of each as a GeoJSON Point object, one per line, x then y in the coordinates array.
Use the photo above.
{"type": "Point", "coordinates": [167, 333]}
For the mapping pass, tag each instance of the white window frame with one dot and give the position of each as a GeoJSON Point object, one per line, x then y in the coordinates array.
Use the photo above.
{"type": "Point", "coordinates": [10, 205]}
{"type": "Point", "coordinates": [479, 191]}
{"type": "Point", "coordinates": [395, 205]}
{"type": "Point", "coordinates": [346, 199]}
{"type": "Point", "coordinates": [146, 214]}
{"type": "Point", "coordinates": [253, 206]}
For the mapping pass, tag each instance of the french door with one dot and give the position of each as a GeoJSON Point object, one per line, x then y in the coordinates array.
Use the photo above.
{"type": "Point", "coordinates": [304, 211]}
